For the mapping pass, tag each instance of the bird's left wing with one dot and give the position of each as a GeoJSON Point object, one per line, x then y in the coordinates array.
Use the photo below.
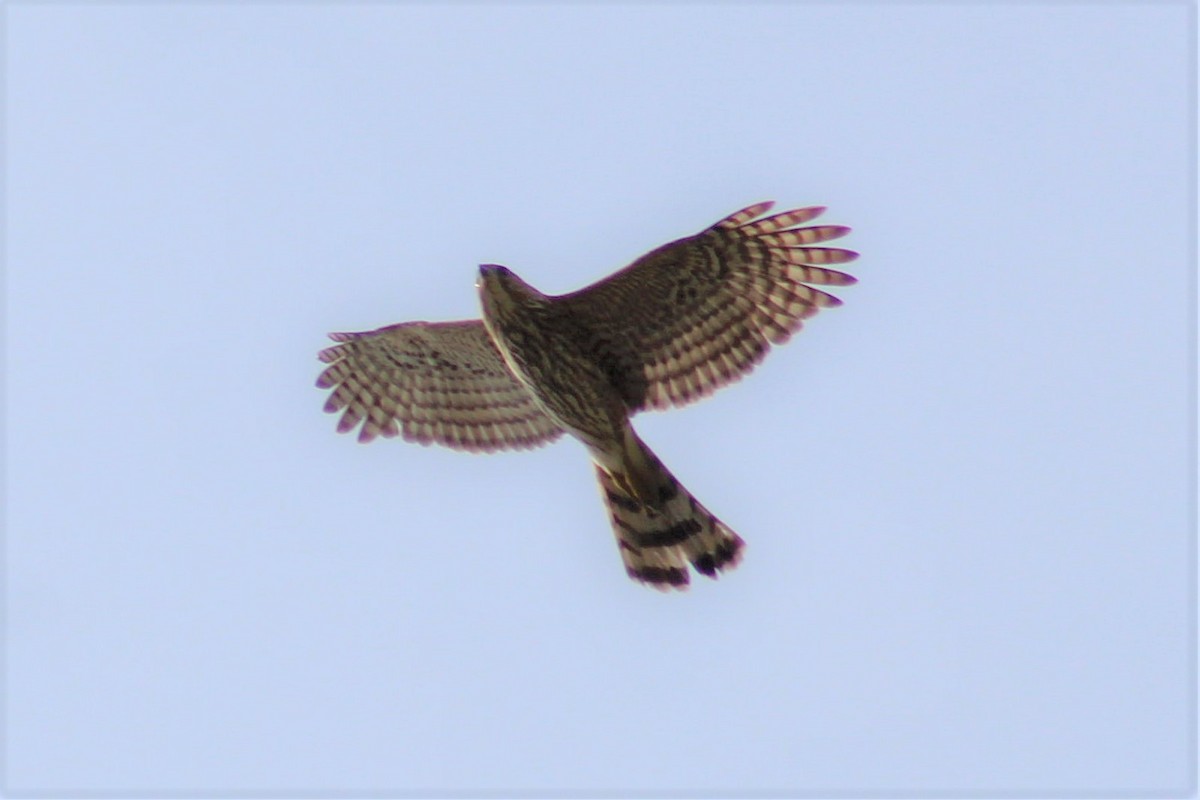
{"type": "Point", "coordinates": [443, 383]}
{"type": "Point", "coordinates": [701, 312]}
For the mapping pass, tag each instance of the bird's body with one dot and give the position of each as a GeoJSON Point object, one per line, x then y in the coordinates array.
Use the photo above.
{"type": "Point", "coordinates": [553, 354]}
{"type": "Point", "coordinates": [676, 324]}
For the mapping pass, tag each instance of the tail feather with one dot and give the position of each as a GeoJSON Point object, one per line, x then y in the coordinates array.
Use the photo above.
{"type": "Point", "coordinates": [661, 527]}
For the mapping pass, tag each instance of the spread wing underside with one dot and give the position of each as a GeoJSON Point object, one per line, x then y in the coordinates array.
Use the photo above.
{"type": "Point", "coordinates": [443, 383]}
{"type": "Point", "coordinates": [700, 313]}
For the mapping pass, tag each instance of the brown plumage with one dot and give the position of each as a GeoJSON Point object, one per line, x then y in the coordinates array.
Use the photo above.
{"type": "Point", "coordinates": [674, 326]}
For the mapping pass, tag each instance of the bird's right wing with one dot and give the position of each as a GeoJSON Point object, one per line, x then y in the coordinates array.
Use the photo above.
{"type": "Point", "coordinates": [701, 312]}
{"type": "Point", "coordinates": [431, 382]}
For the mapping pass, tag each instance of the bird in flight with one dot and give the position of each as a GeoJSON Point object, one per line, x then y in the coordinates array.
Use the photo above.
{"type": "Point", "coordinates": [672, 327]}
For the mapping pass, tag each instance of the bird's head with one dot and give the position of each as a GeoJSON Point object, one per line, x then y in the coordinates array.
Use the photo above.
{"type": "Point", "coordinates": [502, 293]}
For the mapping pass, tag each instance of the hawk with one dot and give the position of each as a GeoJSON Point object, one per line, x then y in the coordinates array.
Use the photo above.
{"type": "Point", "coordinates": [672, 327]}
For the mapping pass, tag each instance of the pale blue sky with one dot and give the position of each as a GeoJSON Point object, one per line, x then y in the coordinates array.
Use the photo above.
{"type": "Point", "coordinates": [966, 493]}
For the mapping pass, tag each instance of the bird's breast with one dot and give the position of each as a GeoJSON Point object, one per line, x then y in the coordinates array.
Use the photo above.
{"type": "Point", "coordinates": [552, 358]}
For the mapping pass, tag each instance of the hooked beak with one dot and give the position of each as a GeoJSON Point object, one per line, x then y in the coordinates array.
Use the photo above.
{"type": "Point", "coordinates": [486, 270]}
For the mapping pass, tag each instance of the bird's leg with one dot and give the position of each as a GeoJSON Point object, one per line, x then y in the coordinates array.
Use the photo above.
{"type": "Point", "coordinates": [644, 476]}
{"type": "Point", "coordinates": [631, 467]}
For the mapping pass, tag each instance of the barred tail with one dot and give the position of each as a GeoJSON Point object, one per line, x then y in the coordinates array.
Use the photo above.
{"type": "Point", "coordinates": [660, 527]}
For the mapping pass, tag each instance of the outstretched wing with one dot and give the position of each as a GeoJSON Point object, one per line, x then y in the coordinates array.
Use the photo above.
{"type": "Point", "coordinates": [441, 382]}
{"type": "Point", "coordinates": [701, 312]}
